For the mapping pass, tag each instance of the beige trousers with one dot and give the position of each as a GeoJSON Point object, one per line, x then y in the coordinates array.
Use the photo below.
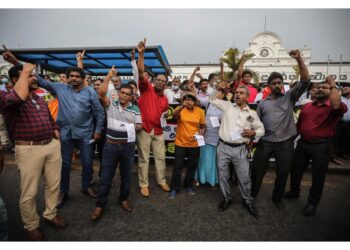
{"type": "Point", "coordinates": [144, 143]}
{"type": "Point", "coordinates": [34, 161]}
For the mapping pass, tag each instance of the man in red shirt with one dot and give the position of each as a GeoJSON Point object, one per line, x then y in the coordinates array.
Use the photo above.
{"type": "Point", "coordinates": [316, 126]}
{"type": "Point", "coordinates": [244, 77]}
{"type": "Point", "coordinates": [152, 103]}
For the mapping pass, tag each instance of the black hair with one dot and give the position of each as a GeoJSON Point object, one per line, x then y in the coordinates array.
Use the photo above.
{"type": "Point", "coordinates": [126, 86]}
{"type": "Point", "coordinates": [247, 72]}
{"type": "Point", "coordinates": [273, 76]}
{"type": "Point", "coordinates": [211, 76]}
{"type": "Point", "coordinates": [166, 78]}
{"type": "Point", "coordinates": [190, 96]}
{"type": "Point", "coordinates": [132, 82]}
{"type": "Point", "coordinates": [75, 69]}
{"type": "Point", "coordinates": [14, 71]}
{"type": "Point", "coordinates": [203, 80]}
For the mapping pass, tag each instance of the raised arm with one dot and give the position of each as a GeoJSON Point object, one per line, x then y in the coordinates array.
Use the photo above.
{"type": "Point", "coordinates": [104, 88]}
{"type": "Point", "coordinates": [304, 73]}
{"type": "Point", "coordinates": [142, 81]}
{"type": "Point", "coordinates": [240, 70]}
{"type": "Point", "coordinates": [135, 71]}
{"type": "Point", "coordinates": [80, 58]}
{"type": "Point", "coordinates": [9, 57]}
{"type": "Point", "coordinates": [301, 86]}
{"type": "Point", "coordinates": [21, 87]}
{"type": "Point", "coordinates": [335, 96]}
{"type": "Point", "coordinates": [222, 73]}
{"type": "Point", "coordinates": [196, 69]}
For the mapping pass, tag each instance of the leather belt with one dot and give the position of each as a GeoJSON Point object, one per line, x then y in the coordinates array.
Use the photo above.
{"type": "Point", "coordinates": [43, 142]}
{"type": "Point", "coordinates": [111, 141]}
{"type": "Point", "coordinates": [233, 144]}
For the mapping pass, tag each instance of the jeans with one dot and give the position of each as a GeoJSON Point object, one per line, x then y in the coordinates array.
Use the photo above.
{"type": "Point", "coordinates": [112, 155]}
{"type": "Point", "coordinates": [86, 158]}
{"type": "Point", "coordinates": [181, 153]}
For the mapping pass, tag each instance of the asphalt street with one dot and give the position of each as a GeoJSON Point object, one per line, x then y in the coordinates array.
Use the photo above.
{"type": "Point", "coordinates": [187, 217]}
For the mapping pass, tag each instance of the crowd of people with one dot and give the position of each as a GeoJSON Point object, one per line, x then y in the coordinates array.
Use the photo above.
{"type": "Point", "coordinates": [216, 131]}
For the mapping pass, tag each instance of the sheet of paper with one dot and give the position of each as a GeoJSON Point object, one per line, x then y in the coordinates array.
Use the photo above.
{"type": "Point", "coordinates": [200, 140]}
{"type": "Point", "coordinates": [215, 121]}
{"type": "Point", "coordinates": [163, 119]}
{"type": "Point", "coordinates": [130, 129]}
{"type": "Point", "coordinates": [236, 134]}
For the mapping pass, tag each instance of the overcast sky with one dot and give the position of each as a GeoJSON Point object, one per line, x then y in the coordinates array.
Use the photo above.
{"type": "Point", "coordinates": [191, 36]}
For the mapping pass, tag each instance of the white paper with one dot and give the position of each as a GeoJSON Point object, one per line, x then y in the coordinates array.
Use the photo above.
{"type": "Point", "coordinates": [215, 121]}
{"type": "Point", "coordinates": [163, 122]}
{"type": "Point", "coordinates": [130, 129]}
{"type": "Point", "coordinates": [200, 140]}
{"type": "Point", "coordinates": [236, 134]}
{"type": "Point", "coordinates": [91, 141]}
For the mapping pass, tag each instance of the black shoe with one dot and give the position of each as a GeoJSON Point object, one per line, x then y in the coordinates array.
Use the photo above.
{"type": "Point", "coordinates": [291, 195]}
{"type": "Point", "coordinates": [224, 204]}
{"type": "Point", "coordinates": [252, 209]}
{"type": "Point", "coordinates": [62, 198]}
{"type": "Point", "coordinates": [278, 204]}
{"type": "Point", "coordinates": [309, 210]}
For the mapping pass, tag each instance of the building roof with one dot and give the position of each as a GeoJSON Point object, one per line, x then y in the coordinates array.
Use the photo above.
{"type": "Point", "coordinates": [97, 60]}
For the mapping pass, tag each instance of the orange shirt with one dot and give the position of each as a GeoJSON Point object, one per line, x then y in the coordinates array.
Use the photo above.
{"type": "Point", "coordinates": [188, 125]}
{"type": "Point", "coordinates": [53, 107]}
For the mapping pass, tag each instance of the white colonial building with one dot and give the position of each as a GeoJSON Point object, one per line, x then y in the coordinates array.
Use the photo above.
{"type": "Point", "coordinates": [271, 56]}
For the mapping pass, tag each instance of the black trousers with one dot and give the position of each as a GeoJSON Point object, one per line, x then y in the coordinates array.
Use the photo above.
{"type": "Point", "coordinates": [343, 138]}
{"type": "Point", "coordinates": [181, 153]}
{"type": "Point", "coordinates": [318, 154]}
{"type": "Point", "coordinates": [284, 154]}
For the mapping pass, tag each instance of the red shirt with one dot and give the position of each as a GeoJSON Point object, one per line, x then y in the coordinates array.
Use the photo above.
{"type": "Point", "coordinates": [318, 121]}
{"type": "Point", "coordinates": [252, 91]}
{"type": "Point", "coordinates": [28, 120]}
{"type": "Point", "coordinates": [151, 106]}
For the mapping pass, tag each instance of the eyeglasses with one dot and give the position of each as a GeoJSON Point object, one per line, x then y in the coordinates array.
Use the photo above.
{"type": "Point", "coordinates": [160, 80]}
{"type": "Point", "coordinates": [124, 93]}
{"type": "Point", "coordinates": [36, 105]}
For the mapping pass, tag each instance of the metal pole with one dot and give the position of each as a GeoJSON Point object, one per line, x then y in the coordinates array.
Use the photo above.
{"type": "Point", "coordinates": [327, 66]}
{"type": "Point", "coordinates": [340, 62]}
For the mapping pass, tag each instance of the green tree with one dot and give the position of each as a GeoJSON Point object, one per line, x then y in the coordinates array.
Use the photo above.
{"type": "Point", "coordinates": [231, 59]}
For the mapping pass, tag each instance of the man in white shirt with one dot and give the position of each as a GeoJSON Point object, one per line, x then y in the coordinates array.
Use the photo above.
{"type": "Point", "coordinates": [174, 94]}
{"type": "Point", "coordinates": [239, 125]}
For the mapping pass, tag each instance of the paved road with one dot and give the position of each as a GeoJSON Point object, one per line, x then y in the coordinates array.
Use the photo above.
{"type": "Point", "coordinates": [189, 218]}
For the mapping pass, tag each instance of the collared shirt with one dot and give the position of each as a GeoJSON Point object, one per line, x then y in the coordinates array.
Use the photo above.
{"type": "Point", "coordinates": [117, 116]}
{"type": "Point", "coordinates": [318, 121]}
{"type": "Point", "coordinates": [203, 98]}
{"type": "Point", "coordinates": [234, 120]}
{"type": "Point", "coordinates": [152, 106]}
{"type": "Point", "coordinates": [77, 110]}
{"type": "Point", "coordinates": [252, 91]}
{"type": "Point", "coordinates": [346, 116]}
{"type": "Point", "coordinates": [172, 95]}
{"type": "Point", "coordinates": [28, 120]}
{"type": "Point", "coordinates": [277, 114]}
{"type": "Point", "coordinates": [188, 125]}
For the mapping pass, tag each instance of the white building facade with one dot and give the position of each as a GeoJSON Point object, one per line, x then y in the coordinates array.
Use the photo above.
{"type": "Point", "coordinates": [271, 56]}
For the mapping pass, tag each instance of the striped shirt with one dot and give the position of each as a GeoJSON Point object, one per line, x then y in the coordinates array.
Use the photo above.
{"type": "Point", "coordinates": [28, 120]}
{"type": "Point", "coordinates": [117, 117]}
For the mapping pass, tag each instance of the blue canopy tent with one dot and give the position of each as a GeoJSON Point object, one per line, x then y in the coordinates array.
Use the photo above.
{"type": "Point", "coordinates": [97, 60]}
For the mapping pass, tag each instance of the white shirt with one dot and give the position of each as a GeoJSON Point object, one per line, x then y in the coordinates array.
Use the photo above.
{"type": "Point", "coordinates": [172, 96]}
{"type": "Point", "coordinates": [346, 116]}
{"type": "Point", "coordinates": [236, 119]}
